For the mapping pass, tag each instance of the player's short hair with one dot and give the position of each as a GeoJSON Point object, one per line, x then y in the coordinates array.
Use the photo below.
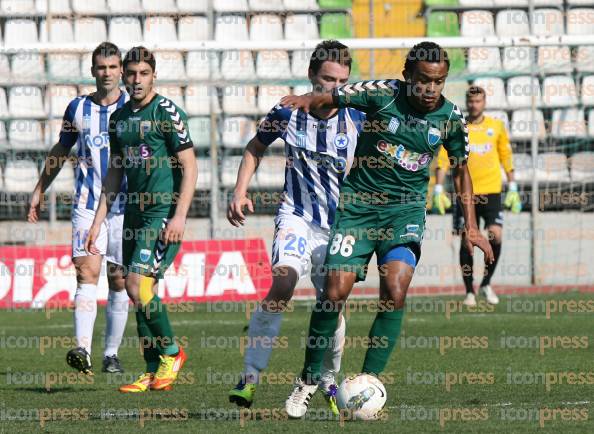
{"type": "Point", "coordinates": [475, 90]}
{"type": "Point", "coordinates": [425, 51]}
{"type": "Point", "coordinates": [140, 54]}
{"type": "Point", "coordinates": [330, 50]}
{"type": "Point", "coordinates": [106, 49]}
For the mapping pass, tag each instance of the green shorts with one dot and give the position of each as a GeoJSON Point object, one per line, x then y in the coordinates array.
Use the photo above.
{"type": "Point", "coordinates": [360, 230]}
{"type": "Point", "coordinates": [142, 250]}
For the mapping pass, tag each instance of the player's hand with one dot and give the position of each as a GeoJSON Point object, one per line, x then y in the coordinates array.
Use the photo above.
{"type": "Point", "coordinates": [235, 213]}
{"type": "Point", "coordinates": [512, 198]}
{"type": "Point", "coordinates": [174, 230]}
{"type": "Point", "coordinates": [34, 206]}
{"type": "Point", "coordinates": [295, 102]}
{"type": "Point", "coordinates": [472, 237]}
{"type": "Point", "coordinates": [92, 235]}
{"type": "Point", "coordinates": [441, 201]}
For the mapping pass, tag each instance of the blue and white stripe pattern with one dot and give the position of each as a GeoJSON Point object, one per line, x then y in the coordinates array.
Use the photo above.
{"type": "Point", "coordinates": [85, 124]}
{"type": "Point", "coordinates": [319, 153]}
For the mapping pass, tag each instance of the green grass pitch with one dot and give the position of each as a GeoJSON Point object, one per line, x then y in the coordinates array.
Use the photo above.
{"type": "Point", "coordinates": [509, 369]}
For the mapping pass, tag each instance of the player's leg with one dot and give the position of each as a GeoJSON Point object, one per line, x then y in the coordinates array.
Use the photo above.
{"type": "Point", "coordinates": [493, 216]}
{"type": "Point", "coordinates": [117, 299]}
{"type": "Point", "coordinates": [466, 261]}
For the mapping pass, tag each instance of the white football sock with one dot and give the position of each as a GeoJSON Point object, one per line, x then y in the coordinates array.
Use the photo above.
{"type": "Point", "coordinates": [116, 317]}
{"type": "Point", "coordinates": [85, 312]}
{"type": "Point", "coordinates": [258, 350]}
{"type": "Point", "coordinates": [333, 355]}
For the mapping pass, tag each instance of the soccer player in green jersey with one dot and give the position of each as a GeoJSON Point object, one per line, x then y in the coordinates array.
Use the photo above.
{"type": "Point", "coordinates": [150, 141]}
{"type": "Point", "coordinates": [382, 203]}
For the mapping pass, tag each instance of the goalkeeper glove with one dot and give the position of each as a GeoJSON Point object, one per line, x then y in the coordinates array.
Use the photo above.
{"type": "Point", "coordinates": [512, 198]}
{"type": "Point", "coordinates": [441, 201]}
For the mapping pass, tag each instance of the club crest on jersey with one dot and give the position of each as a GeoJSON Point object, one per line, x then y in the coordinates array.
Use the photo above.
{"type": "Point", "coordinates": [145, 127]}
{"type": "Point", "coordinates": [341, 141]}
{"type": "Point", "coordinates": [393, 125]}
{"type": "Point", "coordinates": [433, 136]}
{"type": "Point", "coordinates": [490, 132]}
{"type": "Point", "coordinates": [145, 255]}
{"type": "Point", "coordinates": [301, 139]}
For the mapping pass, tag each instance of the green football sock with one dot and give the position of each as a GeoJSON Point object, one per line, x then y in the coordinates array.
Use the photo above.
{"type": "Point", "coordinates": [322, 326]}
{"type": "Point", "coordinates": [149, 351]}
{"type": "Point", "coordinates": [157, 320]}
{"type": "Point", "coordinates": [383, 335]}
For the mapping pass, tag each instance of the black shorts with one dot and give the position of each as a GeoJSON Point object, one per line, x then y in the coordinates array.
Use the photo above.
{"type": "Point", "coordinates": [487, 206]}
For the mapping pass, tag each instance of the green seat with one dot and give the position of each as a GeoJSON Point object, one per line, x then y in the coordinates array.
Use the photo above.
{"type": "Point", "coordinates": [443, 24]}
{"type": "Point", "coordinates": [433, 3]}
{"type": "Point", "coordinates": [457, 60]}
{"type": "Point", "coordinates": [200, 131]}
{"type": "Point", "coordinates": [335, 4]}
{"type": "Point", "coordinates": [336, 26]}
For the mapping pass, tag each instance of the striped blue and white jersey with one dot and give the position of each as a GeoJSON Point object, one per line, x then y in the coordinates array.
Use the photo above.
{"type": "Point", "coordinates": [319, 153]}
{"type": "Point", "coordinates": [85, 124]}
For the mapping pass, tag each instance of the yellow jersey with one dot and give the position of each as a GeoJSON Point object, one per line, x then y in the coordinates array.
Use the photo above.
{"type": "Point", "coordinates": [489, 150]}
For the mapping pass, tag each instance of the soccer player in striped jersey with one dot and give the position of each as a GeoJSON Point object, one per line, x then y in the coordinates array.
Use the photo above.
{"type": "Point", "coordinates": [489, 151]}
{"type": "Point", "coordinates": [85, 125]}
{"type": "Point", "coordinates": [319, 148]}
{"type": "Point", "coordinates": [385, 193]}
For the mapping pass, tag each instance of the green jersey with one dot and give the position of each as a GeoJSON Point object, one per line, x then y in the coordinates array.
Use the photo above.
{"type": "Point", "coordinates": [396, 144]}
{"type": "Point", "coordinates": [149, 139]}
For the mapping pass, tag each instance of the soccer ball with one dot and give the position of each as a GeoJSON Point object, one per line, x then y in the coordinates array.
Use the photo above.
{"type": "Point", "coordinates": [361, 397]}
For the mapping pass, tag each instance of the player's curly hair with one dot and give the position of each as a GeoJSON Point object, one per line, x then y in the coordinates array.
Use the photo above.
{"type": "Point", "coordinates": [330, 50]}
{"type": "Point", "coordinates": [425, 51]}
{"type": "Point", "coordinates": [140, 54]}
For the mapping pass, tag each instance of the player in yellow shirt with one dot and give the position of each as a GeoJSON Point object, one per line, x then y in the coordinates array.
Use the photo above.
{"type": "Point", "coordinates": [489, 151]}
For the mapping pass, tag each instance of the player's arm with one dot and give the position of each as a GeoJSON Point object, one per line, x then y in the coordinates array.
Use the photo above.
{"type": "Point", "coordinates": [441, 201]}
{"type": "Point", "coordinates": [309, 102]}
{"type": "Point", "coordinates": [504, 150]}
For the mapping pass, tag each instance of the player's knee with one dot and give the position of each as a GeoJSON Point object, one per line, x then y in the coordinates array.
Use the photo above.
{"type": "Point", "coordinates": [85, 273]}
{"type": "Point", "coordinates": [495, 235]}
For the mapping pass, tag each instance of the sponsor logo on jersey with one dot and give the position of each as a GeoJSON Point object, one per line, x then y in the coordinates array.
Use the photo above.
{"type": "Point", "coordinates": [393, 125]}
{"type": "Point", "coordinates": [139, 265]}
{"type": "Point", "coordinates": [481, 148]}
{"type": "Point", "coordinates": [490, 132]}
{"type": "Point", "coordinates": [338, 164]}
{"type": "Point", "coordinates": [409, 160]}
{"type": "Point", "coordinates": [144, 151]}
{"type": "Point", "coordinates": [433, 136]}
{"type": "Point", "coordinates": [145, 255]}
{"type": "Point", "coordinates": [341, 141]}
{"type": "Point", "coordinates": [98, 141]}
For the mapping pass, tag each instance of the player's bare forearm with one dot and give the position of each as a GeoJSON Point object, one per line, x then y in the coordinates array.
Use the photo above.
{"type": "Point", "coordinates": [439, 176]}
{"type": "Point", "coordinates": [188, 182]}
{"type": "Point", "coordinates": [54, 161]}
{"type": "Point", "coordinates": [464, 192]}
{"type": "Point", "coordinates": [510, 176]}
{"type": "Point", "coordinates": [253, 153]}
{"type": "Point", "coordinates": [309, 102]}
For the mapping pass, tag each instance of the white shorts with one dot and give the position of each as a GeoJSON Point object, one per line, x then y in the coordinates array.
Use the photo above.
{"type": "Point", "coordinates": [109, 241]}
{"type": "Point", "coordinates": [300, 245]}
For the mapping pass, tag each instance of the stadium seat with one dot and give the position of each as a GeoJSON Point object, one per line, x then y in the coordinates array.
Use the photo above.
{"type": "Point", "coordinates": [125, 30]}
{"type": "Point", "coordinates": [90, 30]}
{"type": "Point", "coordinates": [4, 69]}
{"type": "Point", "coordinates": [17, 7]}
{"type": "Point", "coordinates": [495, 90]}
{"type": "Point", "coordinates": [159, 6]}
{"type": "Point", "coordinates": [581, 165]}
{"type": "Point", "coordinates": [335, 4]}
{"type": "Point", "coordinates": [273, 64]}
{"type": "Point", "coordinates": [587, 91]}
{"type": "Point", "coordinates": [25, 102]}
{"type": "Point", "coordinates": [523, 170]}
{"type": "Point", "coordinates": [547, 22]}
{"type": "Point", "coordinates": [336, 26]}
{"type": "Point", "coordinates": [28, 67]}
{"type": "Point", "coordinates": [64, 181]}
{"type": "Point", "coordinates": [300, 63]}
{"type": "Point", "coordinates": [522, 127]}
{"type": "Point", "coordinates": [52, 131]}
{"type": "Point", "coordinates": [1, 175]}
{"type": "Point", "coordinates": [57, 99]}
{"type": "Point", "coordinates": [193, 28]}
{"type": "Point", "coordinates": [158, 30]}
{"type": "Point", "coordinates": [500, 115]}
{"type": "Point", "coordinates": [193, 6]}
{"type": "Point", "coordinates": [559, 91]}
{"type": "Point", "coordinates": [483, 59]}
{"type": "Point", "coordinates": [548, 2]}
{"type": "Point", "coordinates": [57, 31]}
{"type": "Point", "coordinates": [568, 123]}
{"type": "Point", "coordinates": [266, 27]}
{"type": "Point", "coordinates": [64, 66]}
{"type": "Point", "coordinates": [20, 176]}
{"type": "Point", "coordinates": [237, 131]}
{"type": "Point", "coordinates": [551, 166]}
{"type": "Point", "coordinates": [18, 32]}
{"type": "Point", "coordinates": [198, 102]}
{"type": "Point", "coordinates": [301, 26]}
{"type": "Point", "coordinates": [124, 6]}
{"type": "Point", "coordinates": [579, 21]}
{"type": "Point", "coordinates": [26, 135]}
{"type": "Point", "coordinates": [238, 65]}
{"type": "Point", "coordinates": [301, 5]}
{"type": "Point", "coordinates": [580, 2]}
{"type": "Point", "coordinates": [554, 59]}
{"type": "Point", "coordinates": [87, 89]}
{"type": "Point", "coordinates": [477, 24]}
{"type": "Point", "coordinates": [433, 3]}
{"type": "Point", "coordinates": [239, 100]}
{"type": "Point", "coordinates": [584, 59]}
{"type": "Point", "coordinates": [512, 22]}
{"type": "Point", "coordinates": [519, 92]}
{"type": "Point", "coordinates": [60, 31]}
{"type": "Point", "coordinates": [516, 59]}
{"type": "Point", "coordinates": [199, 64]}
{"type": "Point", "coordinates": [170, 65]}
{"type": "Point", "coordinates": [270, 95]}
{"type": "Point", "coordinates": [475, 3]}
{"type": "Point", "coordinates": [267, 5]}
{"type": "Point", "coordinates": [86, 7]}
{"type": "Point", "coordinates": [231, 28]}
{"type": "Point", "coordinates": [591, 122]}
{"type": "Point", "coordinates": [271, 172]}
{"type": "Point", "coordinates": [204, 180]}
{"type": "Point", "coordinates": [4, 113]}
{"type": "Point", "coordinates": [172, 92]}
{"type": "Point", "coordinates": [455, 91]}
{"type": "Point", "coordinates": [229, 168]}
{"type": "Point", "coordinates": [301, 89]}
{"type": "Point", "coordinates": [199, 127]}
{"type": "Point", "coordinates": [231, 6]}
{"type": "Point", "coordinates": [56, 7]}
{"type": "Point", "coordinates": [443, 24]}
